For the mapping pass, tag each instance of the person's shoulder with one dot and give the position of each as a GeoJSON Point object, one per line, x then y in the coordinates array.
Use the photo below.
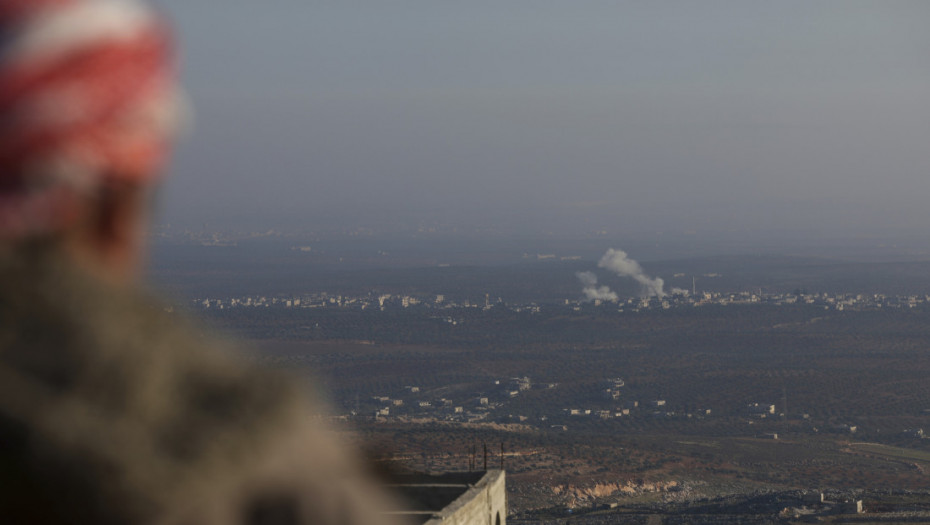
{"type": "Point", "coordinates": [122, 349]}
{"type": "Point", "coordinates": [152, 412]}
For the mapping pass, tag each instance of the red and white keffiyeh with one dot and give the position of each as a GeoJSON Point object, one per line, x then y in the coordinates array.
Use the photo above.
{"type": "Point", "coordinates": [87, 94]}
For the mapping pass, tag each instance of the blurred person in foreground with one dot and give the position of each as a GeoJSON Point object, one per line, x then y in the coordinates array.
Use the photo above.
{"type": "Point", "coordinates": [111, 409]}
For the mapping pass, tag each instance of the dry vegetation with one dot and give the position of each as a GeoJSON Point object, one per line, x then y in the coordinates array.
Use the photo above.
{"type": "Point", "coordinates": [861, 369]}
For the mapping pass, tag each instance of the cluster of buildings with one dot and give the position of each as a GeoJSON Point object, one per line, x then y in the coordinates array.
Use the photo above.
{"type": "Point", "coordinates": [381, 302]}
{"type": "Point", "coordinates": [495, 403]}
{"type": "Point", "coordinates": [475, 406]}
{"type": "Point", "coordinates": [838, 301]}
{"type": "Point", "coordinates": [812, 505]}
{"type": "Point", "coordinates": [414, 403]}
{"type": "Point", "coordinates": [325, 300]}
{"type": "Point", "coordinates": [491, 405]}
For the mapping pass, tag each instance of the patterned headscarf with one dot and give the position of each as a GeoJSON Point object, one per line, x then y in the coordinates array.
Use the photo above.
{"type": "Point", "coordinates": [87, 95]}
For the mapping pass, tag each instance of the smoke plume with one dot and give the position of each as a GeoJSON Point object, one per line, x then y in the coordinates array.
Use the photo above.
{"type": "Point", "coordinates": [618, 262]}
{"type": "Point", "coordinates": [592, 291]}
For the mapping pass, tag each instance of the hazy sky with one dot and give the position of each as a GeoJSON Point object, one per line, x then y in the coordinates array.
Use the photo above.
{"type": "Point", "coordinates": [550, 115]}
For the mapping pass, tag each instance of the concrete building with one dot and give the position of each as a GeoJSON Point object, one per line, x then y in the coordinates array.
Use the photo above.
{"type": "Point", "coordinates": [520, 383]}
{"type": "Point", "coordinates": [466, 498]}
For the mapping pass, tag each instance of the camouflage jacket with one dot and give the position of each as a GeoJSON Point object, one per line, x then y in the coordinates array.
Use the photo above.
{"type": "Point", "coordinates": [113, 410]}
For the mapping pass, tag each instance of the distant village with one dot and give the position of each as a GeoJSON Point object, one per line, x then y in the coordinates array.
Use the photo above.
{"type": "Point", "coordinates": [493, 404]}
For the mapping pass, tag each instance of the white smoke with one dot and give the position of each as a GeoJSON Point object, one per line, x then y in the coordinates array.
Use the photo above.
{"type": "Point", "coordinates": [592, 291]}
{"type": "Point", "coordinates": [618, 262]}
{"type": "Point", "coordinates": [587, 278]}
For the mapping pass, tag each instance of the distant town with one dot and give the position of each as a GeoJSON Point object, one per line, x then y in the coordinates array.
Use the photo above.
{"type": "Point", "coordinates": [609, 402]}
{"type": "Point", "coordinates": [679, 299]}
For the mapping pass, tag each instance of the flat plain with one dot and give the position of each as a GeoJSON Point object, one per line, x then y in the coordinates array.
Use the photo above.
{"type": "Point", "coordinates": [643, 407]}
